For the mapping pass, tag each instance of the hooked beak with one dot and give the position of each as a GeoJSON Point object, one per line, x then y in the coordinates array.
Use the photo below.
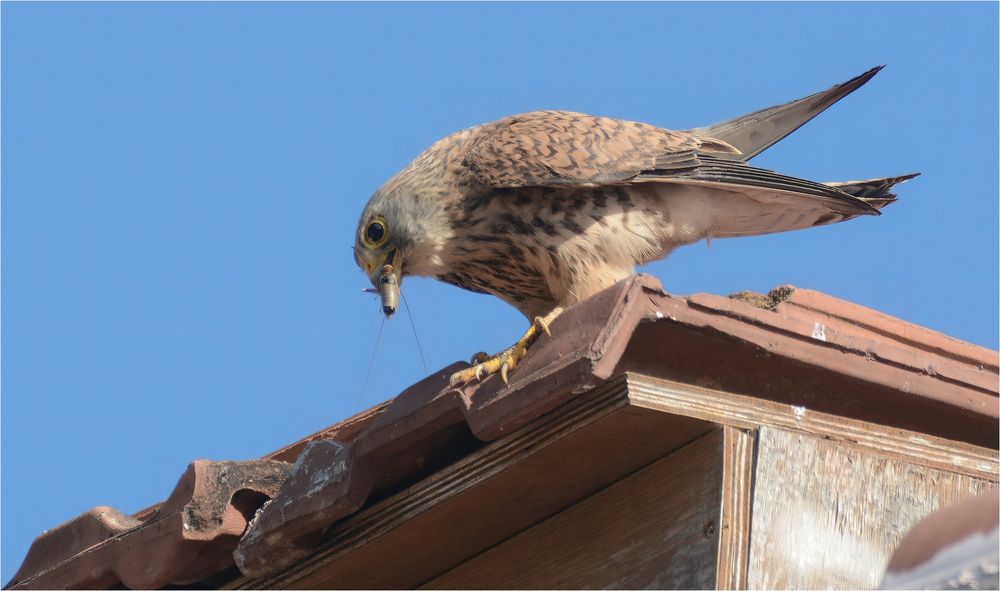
{"type": "Point", "coordinates": [386, 281]}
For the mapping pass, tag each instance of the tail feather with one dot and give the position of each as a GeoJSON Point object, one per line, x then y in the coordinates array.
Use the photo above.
{"type": "Point", "coordinates": [755, 132]}
{"type": "Point", "coordinates": [876, 192]}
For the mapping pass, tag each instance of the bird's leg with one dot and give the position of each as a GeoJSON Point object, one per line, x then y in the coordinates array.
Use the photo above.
{"type": "Point", "coordinates": [507, 359]}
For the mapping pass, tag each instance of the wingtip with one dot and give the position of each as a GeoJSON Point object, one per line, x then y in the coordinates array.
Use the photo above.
{"type": "Point", "coordinates": [875, 192]}
{"type": "Point", "coordinates": [755, 132]}
{"type": "Point", "coordinates": [898, 180]}
{"type": "Point", "coordinates": [864, 77]}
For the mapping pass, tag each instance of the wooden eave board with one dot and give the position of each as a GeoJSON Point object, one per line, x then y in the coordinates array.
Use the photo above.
{"type": "Point", "coordinates": [656, 528]}
{"type": "Point", "coordinates": [747, 412]}
{"type": "Point", "coordinates": [493, 494]}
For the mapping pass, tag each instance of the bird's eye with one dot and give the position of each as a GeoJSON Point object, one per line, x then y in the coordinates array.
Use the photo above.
{"type": "Point", "coordinates": [375, 233]}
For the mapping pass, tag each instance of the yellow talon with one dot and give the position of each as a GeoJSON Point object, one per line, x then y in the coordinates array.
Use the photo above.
{"type": "Point", "coordinates": [484, 366]}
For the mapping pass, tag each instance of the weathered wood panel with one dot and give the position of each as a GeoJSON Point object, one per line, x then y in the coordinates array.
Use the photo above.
{"type": "Point", "coordinates": [655, 529]}
{"type": "Point", "coordinates": [734, 514]}
{"type": "Point", "coordinates": [828, 514]}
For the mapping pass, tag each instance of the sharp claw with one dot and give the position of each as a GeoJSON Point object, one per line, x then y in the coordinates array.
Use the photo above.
{"type": "Point", "coordinates": [483, 365]}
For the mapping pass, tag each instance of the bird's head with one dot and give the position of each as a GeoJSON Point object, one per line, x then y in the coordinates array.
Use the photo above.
{"type": "Point", "coordinates": [377, 252]}
{"type": "Point", "coordinates": [400, 233]}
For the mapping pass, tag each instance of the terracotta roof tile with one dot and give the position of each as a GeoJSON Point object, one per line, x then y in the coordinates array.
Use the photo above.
{"type": "Point", "coordinates": [189, 537]}
{"type": "Point", "coordinates": [794, 346]}
{"type": "Point", "coordinates": [69, 539]}
{"type": "Point", "coordinates": [805, 303]}
{"type": "Point", "coordinates": [887, 362]}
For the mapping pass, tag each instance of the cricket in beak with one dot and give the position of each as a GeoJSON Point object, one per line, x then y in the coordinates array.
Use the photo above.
{"type": "Point", "coordinates": [388, 290]}
{"type": "Point", "coordinates": [386, 281]}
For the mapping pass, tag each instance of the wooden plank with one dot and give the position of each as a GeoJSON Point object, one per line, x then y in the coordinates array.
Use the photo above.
{"type": "Point", "coordinates": [734, 513]}
{"type": "Point", "coordinates": [489, 496]}
{"type": "Point", "coordinates": [747, 412]}
{"type": "Point", "coordinates": [656, 529]}
{"type": "Point", "coordinates": [828, 515]}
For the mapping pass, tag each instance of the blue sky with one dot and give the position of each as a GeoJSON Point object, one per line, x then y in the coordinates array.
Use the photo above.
{"type": "Point", "coordinates": [181, 184]}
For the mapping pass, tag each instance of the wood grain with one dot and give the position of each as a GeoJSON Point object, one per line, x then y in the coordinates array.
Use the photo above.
{"type": "Point", "coordinates": [828, 515]}
{"type": "Point", "coordinates": [735, 510]}
{"type": "Point", "coordinates": [656, 529]}
{"type": "Point", "coordinates": [747, 412]}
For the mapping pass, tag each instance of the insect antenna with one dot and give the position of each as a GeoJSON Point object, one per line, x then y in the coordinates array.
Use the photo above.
{"type": "Point", "coordinates": [371, 364]}
{"type": "Point", "coordinates": [415, 338]}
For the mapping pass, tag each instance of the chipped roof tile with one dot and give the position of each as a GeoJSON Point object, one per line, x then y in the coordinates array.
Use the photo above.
{"type": "Point", "coordinates": [189, 537]}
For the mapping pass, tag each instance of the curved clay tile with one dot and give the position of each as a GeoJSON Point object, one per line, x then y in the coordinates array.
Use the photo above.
{"type": "Point", "coordinates": [76, 535]}
{"type": "Point", "coordinates": [190, 536]}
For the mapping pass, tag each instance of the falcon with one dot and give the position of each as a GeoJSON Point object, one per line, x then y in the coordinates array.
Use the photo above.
{"type": "Point", "coordinates": [547, 208]}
